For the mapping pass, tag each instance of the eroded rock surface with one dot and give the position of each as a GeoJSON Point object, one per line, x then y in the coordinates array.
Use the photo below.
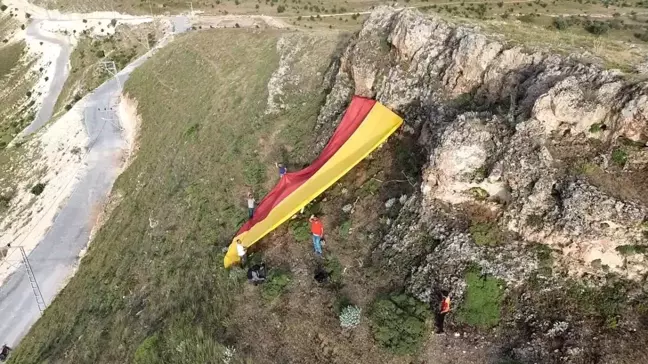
{"type": "Point", "coordinates": [511, 138]}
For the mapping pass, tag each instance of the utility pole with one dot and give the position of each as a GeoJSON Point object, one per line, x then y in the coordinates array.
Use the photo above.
{"type": "Point", "coordinates": [110, 67]}
{"type": "Point", "coordinates": [40, 301]}
{"type": "Point", "coordinates": [150, 8]}
{"type": "Point", "coordinates": [191, 5]}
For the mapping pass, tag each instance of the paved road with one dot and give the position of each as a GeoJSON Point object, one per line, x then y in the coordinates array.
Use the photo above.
{"type": "Point", "coordinates": [55, 257]}
{"type": "Point", "coordinates": [58, 80]}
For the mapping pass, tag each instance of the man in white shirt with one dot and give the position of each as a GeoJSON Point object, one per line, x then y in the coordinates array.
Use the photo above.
{"type": "Point", "coordinates": [250, 203]}
{"type": "Point", "coordinates": [241, 251]}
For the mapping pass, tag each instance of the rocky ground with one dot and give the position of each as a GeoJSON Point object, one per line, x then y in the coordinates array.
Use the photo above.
{"type": "Point", "coordinates": [530, 176]}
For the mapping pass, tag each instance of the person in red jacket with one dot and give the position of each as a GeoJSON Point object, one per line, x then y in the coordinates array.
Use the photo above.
{"type": "Point", "coordinates": [317, 229]}
{"type": "Point", "coordinates": [444, 308]}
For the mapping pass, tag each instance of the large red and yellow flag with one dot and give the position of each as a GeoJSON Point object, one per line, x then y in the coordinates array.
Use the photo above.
{"type": "Point", "coordinates": [365, 125]}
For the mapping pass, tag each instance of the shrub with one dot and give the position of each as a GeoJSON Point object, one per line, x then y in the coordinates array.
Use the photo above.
{"type": "Point", "coordinates": [300, 230]}
{"type": "Point", "coordinates": [38, 188]}
{"type": "Point", "coordinates": [481, 306]}
{"type": "Point", "coordinates": [631, 249]}
{"type": "Point", "coordinates": [478, 193]}
{"type": "Point", "coordinates": [113, 22]}
{"type": "Point", "coordinates": [597, 27]}
{"type": "Point", "coordinates": [148, 351]}
{"type": "Point", "coordinates": [334, 269]}
{"type": "Point", "coordinates": [5, 201]}
{"type": "Point", "coordinates": [596, 128]}
{"type": "Point", "coordinates": [350, 316]}
{"type": "Point", "coordinates": [398, 323]}
{"type": "Point", "coordinates": [527, 18]}
{"type": "Point", "coordinates": [619, 156]}
{"type": "Point", "coordinates": [642, 36]}
{"type": "Point", "coordinates": [100, 53]}
{"type": "Point", "coordinates": [3, 7]}
{"type": "Point", "coordinates": [276, 283]}
{"type": "Point", "coordinates": [345, 228]}
{"type": "Point", "coordinates": [485, 233]}
{"type": "Point", "coordinates": [281, 9]}
{"type": "Point", "coordinates": [560, 23]}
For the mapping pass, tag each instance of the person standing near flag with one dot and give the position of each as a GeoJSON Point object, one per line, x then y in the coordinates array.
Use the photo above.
{"type": "Point", "coordinates": [250, 204]}
{"type": "Point", "coordinates": [317, 229]}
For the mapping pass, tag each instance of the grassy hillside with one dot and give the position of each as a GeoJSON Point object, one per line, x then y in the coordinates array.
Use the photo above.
{"type": "Point", "coordinates": [152, 288]}
{"type": "Point", "coordinates": [16, 82]}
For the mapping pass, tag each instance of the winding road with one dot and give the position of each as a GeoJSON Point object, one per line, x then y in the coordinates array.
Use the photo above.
{"type": "Point", "coordinates": [61, 73]}
{"type": "Point", "coordinates": [55, 257]}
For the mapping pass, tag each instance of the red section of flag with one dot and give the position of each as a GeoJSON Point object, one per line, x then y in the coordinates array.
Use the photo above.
{"type": "Point", "coordinates": [353, 117]}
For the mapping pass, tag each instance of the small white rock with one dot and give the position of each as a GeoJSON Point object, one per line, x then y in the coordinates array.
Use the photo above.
{"type": "Point", "coordinates": [402, 199]}
{"type": "Point", "coordinates": [390, 203]}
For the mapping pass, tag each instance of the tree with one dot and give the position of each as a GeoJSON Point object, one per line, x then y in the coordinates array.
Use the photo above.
{"type": "Point", "coordinates": [281, 9]}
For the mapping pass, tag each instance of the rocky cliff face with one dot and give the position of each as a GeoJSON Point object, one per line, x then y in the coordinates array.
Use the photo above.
{"type": "Point", "coordinates": [533, 174]}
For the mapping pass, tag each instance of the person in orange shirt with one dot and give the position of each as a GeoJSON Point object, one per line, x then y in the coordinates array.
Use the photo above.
{"type": "Point", "coordinates": [444, 308]}
{"type": "Point", "coordinates": [317, 229]}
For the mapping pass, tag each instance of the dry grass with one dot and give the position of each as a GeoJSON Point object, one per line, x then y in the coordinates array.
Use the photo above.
{"type": "Point", "coordinates": [534, 29]}
{"type": "Point", "coordinates": [15, 83]}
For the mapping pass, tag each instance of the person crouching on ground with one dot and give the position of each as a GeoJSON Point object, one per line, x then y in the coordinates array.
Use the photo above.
{"type": "Point", "coordinates": [241, 251]}
{"type": "Point", "coordinates": [282, 169]}
{"type": "Point", "coordinates": [317, 229]}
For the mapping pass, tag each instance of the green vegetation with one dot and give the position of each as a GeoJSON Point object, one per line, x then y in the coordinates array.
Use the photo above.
{"type": "Point", "coordinates": [619, 156]}
{"type": "Point", "coordinates": [545, 258]}
{"type": "Point", "coordinates": [38, 188]}
{"type": "Point", "coordinates": [597, 27]}
{"type": "Point", "coordinates": [9, 57]}
{"type": "Point", "coordinates": [398, 322]}
{"type": "Point", "coordinates": [276, 283]}
{"type": "Point", "coordinates": [486, 233]}
{"type": "Point", "coordinates": [345, 228]}
{"type": "Point", "coordinates": [147, 351]}
{"type": "Point", "coordinates": [334, 269]}
{"type": "Point", "coordinates": [478, 193]}
{"type": "Point", "coordinates": [350, 316]}
{"type": "Point", "coordinates": [482, 304]}
{"type": "Point", "coordinates": [596, 128]}
{"type": "Point", "coordinates": [16, 105]}
{"type": "Point", "coordinates": [603, 304]}
{"type": "Point", "coordinates": [632, 249]}
{"type": "Point", "coordinates": [138, 281]}
{"type": "Point", "coordinates": [300, 230]}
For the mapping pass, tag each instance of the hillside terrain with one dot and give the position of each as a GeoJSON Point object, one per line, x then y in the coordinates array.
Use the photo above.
{"type": "Point", "coordinates": [517, 184]}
